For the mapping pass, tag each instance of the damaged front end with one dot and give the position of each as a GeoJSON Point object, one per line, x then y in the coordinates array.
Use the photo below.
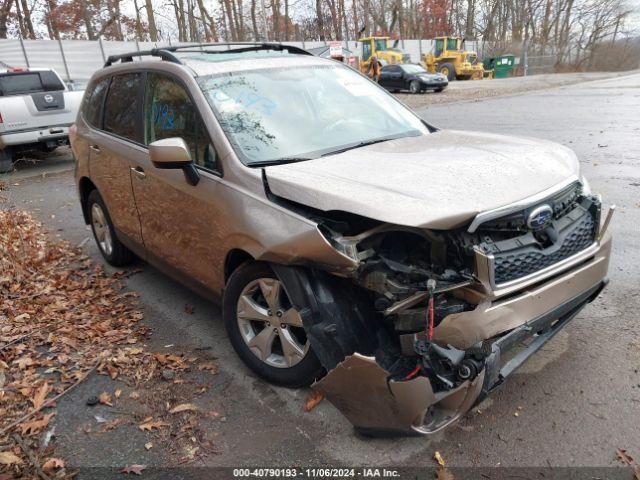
{"type": "Point", "coordinates": [430, 322]}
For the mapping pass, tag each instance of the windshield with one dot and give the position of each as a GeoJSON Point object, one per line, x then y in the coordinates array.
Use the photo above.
{"type": "Point", "coordinates": [304, 112]}
{"type": "Point", "coordinates": [413, 69]}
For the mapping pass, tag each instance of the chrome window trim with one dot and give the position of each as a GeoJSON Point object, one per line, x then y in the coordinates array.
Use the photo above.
{"type": "Point", "coordinates": [520, 204]}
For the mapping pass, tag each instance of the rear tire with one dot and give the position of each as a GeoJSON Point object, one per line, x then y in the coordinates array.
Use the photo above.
{"type": "Point", "coordinates": [6, 160]}
{"type": "Point", "coordinates": [265, 330]}
{"type": "Point", "coordinates": [113, 251]}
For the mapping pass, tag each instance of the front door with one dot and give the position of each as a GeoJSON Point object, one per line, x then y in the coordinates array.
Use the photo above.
{"type": "Point", "coordinates": [180, 222]}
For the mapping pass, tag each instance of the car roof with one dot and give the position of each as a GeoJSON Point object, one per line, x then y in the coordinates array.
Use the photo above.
{"type": "Point", "coordinates": [211, 64]}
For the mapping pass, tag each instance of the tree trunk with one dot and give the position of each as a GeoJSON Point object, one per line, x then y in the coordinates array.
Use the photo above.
{"type": "Point", "coordinates": [138, 22]}
{"type": "Point", "coordinates": [320, 19]}
{"type": "Point", "coordinates": [232, 26]}
{"type": "Point", "coordinates": [50, 17]}
{"type": "Point", "coordinates": [275, 9]}
{"type": "Point", "coordinates": [27, 20]}
{"type": "Point", "coordinates": [151, 20]}
{"type": "Point", "coordinates": [470, 23]}
{"type": "Point", "coordinates": [254, 23]}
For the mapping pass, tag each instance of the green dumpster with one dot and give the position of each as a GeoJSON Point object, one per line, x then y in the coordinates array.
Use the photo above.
{"type": "Point", "coordinates": [501, 65]}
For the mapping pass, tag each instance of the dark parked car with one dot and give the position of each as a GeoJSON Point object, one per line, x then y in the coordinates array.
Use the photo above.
{"type": "Point", "coordinates": [411, 77]}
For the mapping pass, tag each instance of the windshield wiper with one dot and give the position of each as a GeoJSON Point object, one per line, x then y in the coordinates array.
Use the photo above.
{"type": "Point", "coordinates": [278, 161]}
{"type": "Point", "coordinates": [363, 144]}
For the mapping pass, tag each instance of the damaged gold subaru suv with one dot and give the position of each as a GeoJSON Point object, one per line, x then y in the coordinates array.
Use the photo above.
{"type": "Point", "coordinates": [406, 270]}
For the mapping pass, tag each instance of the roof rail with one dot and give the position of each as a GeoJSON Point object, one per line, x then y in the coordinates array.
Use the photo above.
{"type": "Point", "coordinates": [244, 47]}
{"type": "Point", "coordinates": [166, 53]}
{"type": "Point", "coordinates": [163, 53]}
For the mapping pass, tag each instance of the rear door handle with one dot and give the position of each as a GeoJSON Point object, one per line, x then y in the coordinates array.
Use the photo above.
{"type": "Point", "coordinates": [139, 171]}
{"type": "Point", "coordinates": [95, 148]}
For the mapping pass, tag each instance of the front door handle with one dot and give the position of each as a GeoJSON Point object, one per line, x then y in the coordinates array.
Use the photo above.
{"type": "Point", "coordinates": [95, 148]}
{"type": "Point", "coordinates": [139, 171]}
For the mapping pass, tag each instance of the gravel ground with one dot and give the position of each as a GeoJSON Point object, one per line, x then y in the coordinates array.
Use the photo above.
{"type": "Point", "coordinates": [476, 90]}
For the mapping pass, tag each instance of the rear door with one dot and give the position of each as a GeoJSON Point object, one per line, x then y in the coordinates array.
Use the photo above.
{"type": "Point", "coordinates": [180, 222]}
{"type": "Point", "coordinates": [114, 149]}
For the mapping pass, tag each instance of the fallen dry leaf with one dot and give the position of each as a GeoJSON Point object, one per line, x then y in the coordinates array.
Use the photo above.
{"type": "Point", "coordinates": [624, 457]}
{"type": "Point", "coordinates": [9, 458]}
{"type": "Point", "coordinates": [117, 393]}
{"type": "Point", "coordinates": [148, 445]}
{"type": "Point", "coordinates": [150, 425]}
{"type": "Point", "coordinates": [105, 399]}
{"type": "Point", "coordinates": [312, 400]}
{"type": "Point", "coordinates": [212, 367]}
{"type": "Point", "coordinates": [36, 426]}
{"type": "Point", "coordinates": [40, 396]}
{"type": "Point", "coordinates": [439, 459]}
{"type": "Point", "coordinates": [183, 407]}
{"type": "Point", "coordinates": [52, 465]}
{"type": "Point", "coordinates": [136, 469]}
{"type": "Point", "coordinates": [134, 395]}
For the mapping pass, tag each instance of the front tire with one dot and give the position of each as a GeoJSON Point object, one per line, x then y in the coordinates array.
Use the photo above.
{"type": "Point", "coordinates": [265, 330]}
{"type": "Point", "coordinates": [113, 251]}
{"type": "Point", "coordinates": [414, 86]}
{"type": "Point", "coordinates": [448, 70]}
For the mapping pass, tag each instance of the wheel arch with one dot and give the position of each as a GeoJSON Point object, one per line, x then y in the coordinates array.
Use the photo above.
{"type": "Point", "coordinates": [233, 260]}
{"type": "Point", "coordinates": [85, 187]}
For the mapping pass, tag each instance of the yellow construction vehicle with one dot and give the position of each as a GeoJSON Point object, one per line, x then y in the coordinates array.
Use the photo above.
{"type": "Point", "coordinates": [379, 47]}
{"type": "Point", "coordinates": [450, 59]}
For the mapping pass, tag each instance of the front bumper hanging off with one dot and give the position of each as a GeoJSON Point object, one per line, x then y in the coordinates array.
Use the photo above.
{"type": "Point", "coordinates": [379, 405]}
{"type": "Point", "coordinates": [361, 390]}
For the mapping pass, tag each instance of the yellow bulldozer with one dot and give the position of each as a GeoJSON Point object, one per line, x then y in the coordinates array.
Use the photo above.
{"type": "Point", "coordinates": [450, 59]}
{"type": "Point", "coordinates": [379, 47]}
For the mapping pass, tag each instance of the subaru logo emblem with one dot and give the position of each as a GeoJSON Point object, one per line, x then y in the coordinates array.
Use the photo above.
{"type": "Point", "coordinates": [540, 217]}
{"type": "Point", "coordinates": [48, 98]}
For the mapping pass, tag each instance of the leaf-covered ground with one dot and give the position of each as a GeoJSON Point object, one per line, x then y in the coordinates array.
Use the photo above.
{"type": "Point", "coordinates": [62, 320]}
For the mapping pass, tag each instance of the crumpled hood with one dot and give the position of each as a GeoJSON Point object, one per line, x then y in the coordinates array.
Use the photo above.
{"type": "Point", "coordinates": [440, 180]}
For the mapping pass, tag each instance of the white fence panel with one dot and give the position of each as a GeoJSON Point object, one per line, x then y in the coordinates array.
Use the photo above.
{"type": "Point", "coordinates": [11, 54]}
{"type": "Point", "coordinates": [83, 57]}
{"type": "Point", "coordinates": [45, 54]}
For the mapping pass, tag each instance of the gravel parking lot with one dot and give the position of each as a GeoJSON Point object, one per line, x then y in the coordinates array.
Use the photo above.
{"type": "Point", "coordinates": [483, 89]}
{"type": "Point", "coordinates": [573, 404]}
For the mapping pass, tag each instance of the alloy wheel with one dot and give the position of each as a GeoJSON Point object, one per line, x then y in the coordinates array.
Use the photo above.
{"type": "Point", "coordinates": [101, 229]}
{"type": "Point", "coordinates": [269, 325]}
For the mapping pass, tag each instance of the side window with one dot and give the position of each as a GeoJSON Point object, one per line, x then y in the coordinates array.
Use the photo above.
{"type": "Point", "coordinates": [93, 101]}
{"type": "Point", "coordinates": [169, 112]}
{"type": "Point", "coordinates": [120, 109]}
{"type": "Point", "coordinates": [366, 50]}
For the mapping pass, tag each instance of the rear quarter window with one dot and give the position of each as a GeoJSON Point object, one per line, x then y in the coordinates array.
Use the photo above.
{"type": "Point", "coordinates": [121, 107]}
{"type": "Point", "coordinates": [93, 102]}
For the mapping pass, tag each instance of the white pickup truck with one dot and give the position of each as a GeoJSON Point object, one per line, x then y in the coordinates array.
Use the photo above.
{"type": "Point", "coordinates": [36, 110]}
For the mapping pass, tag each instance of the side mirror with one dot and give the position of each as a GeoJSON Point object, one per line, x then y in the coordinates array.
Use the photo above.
{"type": "Point", "coordinates": [172, 153]}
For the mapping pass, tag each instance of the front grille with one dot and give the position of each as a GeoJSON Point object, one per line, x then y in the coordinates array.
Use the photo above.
{"type": "Point", "coordinates": [516, 264]}
{"type": "Point", "coordinates": [519, 250]}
